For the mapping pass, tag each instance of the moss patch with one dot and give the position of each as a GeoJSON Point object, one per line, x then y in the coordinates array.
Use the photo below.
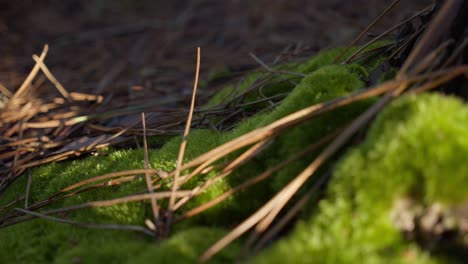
{"type": "Point", "coordinates": [416, 148]}
{"type": "Point", "coordinates": [40, 241]}
{"type": "Point", "coordinates": [273, 84]}
{"type": "Point", "coordinates": [323, 82]}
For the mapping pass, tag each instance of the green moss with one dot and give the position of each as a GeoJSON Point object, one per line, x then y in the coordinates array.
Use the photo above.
{"type": "Point", "coordinates": [40, 241]}
{"type": "Point", "coordinates": [49, 242]}
{"type": "Point", "coordinates": [183, 247]}
{"type": "Point", "coordinates": [410, 151]}
{"type": "Point", "coordinates": [276, 84]}
{"type": "Point", "coordinates": [328, 57]}
{"type": "Point", "coordinates": [230, 91]}
{"type": "Point", "coordinates": [186, 247]}
{"type": "Point", "coordinates": [218, 74]}
{"type": "Point", "coordinates": [325, 84]}
{"type": "Point", "coordinates": [322, 83]}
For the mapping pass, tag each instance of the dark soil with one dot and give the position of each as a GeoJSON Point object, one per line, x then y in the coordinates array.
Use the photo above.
{"type": "Point", "coordinates": [138, 50]}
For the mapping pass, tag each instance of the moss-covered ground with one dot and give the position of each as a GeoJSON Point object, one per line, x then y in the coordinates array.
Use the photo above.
{"type": "Point", "coordinates": [415, 149]}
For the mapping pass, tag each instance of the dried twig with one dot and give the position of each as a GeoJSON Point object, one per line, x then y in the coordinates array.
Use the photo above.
{"type": "Point", "coordinates": [275, 229]}
{"type": "Point", "coordinates": [87, 225]}
{"type": "Point", "coordinates": [28, 188]}
{"type": "Point", "coordinates": [263, 176]}
{"type": "Point", "coordinates": [52, 78]}
{"type": "Point", "coordinates": [183, 144]}
{"type": "Point", "coordinates": [149, 185]}
{"type": "Point", "coordinates": [102, 203]}
{"type": "Point", "coordinates": [5, 91]}
{"type": "Point", "coordinates": [383, 34]}
{"type": "Point", "coordinates": [356, 39]}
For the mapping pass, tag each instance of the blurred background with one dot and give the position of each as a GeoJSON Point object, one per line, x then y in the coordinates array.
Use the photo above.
{"type": "Point", "coordinates": [136, 49]}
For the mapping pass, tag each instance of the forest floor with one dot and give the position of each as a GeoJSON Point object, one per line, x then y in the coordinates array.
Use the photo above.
{"type": "Point", "coordinates": [139, 51]}
{"type": "Point", "coordinates": [123, 70]}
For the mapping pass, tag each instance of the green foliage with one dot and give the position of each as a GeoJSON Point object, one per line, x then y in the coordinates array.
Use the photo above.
{"type": "Point", "coordinates": [410, 150]}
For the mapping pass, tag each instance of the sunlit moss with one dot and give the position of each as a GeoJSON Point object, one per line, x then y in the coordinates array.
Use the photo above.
{"type": "Point", "coordinates": [416, 148]}
{"type": "Point", "coordinates": [323, 82]}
